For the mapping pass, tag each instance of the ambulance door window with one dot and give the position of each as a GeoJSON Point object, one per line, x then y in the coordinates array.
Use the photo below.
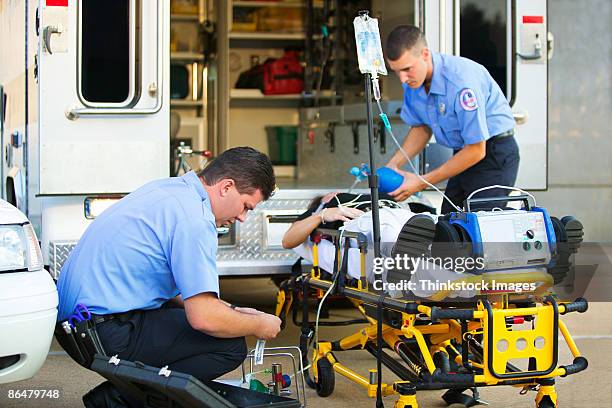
{"type": "Point", "coordinates": [106, 67]}
{"type": "Point", "coordinates": [484, 38]}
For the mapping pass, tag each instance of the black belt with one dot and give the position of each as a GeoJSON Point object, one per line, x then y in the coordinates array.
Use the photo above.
{"type": "Point", "coordinates": [493, 138]}
{"type": "Point", "coordinates": [505, 134]}
{"type": "Point", "coordinates": [99, 319]}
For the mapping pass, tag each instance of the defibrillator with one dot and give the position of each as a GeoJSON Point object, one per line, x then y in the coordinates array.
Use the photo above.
{"type": "Point", "coordinates": [508, 239]}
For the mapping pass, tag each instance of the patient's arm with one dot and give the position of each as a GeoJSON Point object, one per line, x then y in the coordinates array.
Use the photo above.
{"type": "Point", "coordinates": [300, 230]}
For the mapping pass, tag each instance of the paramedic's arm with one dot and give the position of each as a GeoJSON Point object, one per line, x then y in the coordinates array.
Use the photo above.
{"type": "Point", "coordinates": [194, 250]}
{"type": "Point", "coordinates": [465, 158]}
{"type": "Point", "coordinates": [248, 310]}
{"type": "Point", "coordinates": [414, 142]}
{"type": "Point", "coordinates": [206, 313]}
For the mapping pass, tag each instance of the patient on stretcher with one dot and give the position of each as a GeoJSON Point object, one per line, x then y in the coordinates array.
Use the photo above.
{"type": "Point", "coordinates": [428, 278]}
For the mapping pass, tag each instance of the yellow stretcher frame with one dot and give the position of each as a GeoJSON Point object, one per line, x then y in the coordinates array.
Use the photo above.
{"type": "Point", "coordinates": [489, 319]}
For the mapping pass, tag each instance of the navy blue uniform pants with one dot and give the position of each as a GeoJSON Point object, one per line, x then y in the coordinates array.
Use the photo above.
{"type": "Point", "coordinates": [499, 166]}
{"type": "Point", "coordinates": [164, 337]}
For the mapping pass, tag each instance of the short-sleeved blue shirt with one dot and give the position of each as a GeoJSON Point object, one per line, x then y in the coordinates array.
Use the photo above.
{"type": "Point", "coordinates": [155, 243]}
{"type": "Point", "coordinates": [464, 105]}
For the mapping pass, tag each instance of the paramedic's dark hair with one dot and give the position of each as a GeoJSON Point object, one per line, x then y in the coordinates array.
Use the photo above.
{"type": "Point", "coordinates": [402, 39]}
{"type": "Point", "coordinates": [250, 169]}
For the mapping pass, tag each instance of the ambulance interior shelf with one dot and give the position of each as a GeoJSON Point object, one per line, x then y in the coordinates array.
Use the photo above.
{"type": "Point", "coordinates": [279, 25]}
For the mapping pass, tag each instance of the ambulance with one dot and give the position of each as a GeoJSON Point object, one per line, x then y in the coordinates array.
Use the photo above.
{"type": "Point", "coordinates": [85, 111]}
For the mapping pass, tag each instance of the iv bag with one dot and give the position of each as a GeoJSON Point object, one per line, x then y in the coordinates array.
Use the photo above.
{"type": "Point", "coordinates": [369, 49]}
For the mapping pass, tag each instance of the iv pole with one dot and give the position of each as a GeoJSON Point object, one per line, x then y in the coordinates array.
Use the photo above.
{"type": "Point", "coordinates": [373, 184]}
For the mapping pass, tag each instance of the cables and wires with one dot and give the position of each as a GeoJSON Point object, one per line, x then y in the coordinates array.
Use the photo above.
{"type": "Point", "coordinates": [385, 119]}
{"type": "Point", "coordinates": [354, 203]}
{"type": "Point", "coordinates": [326, 50]}
{"type": "Point", "coordinates": [330, 290]}
{"type": "Point", "coordinates": [535, 204]}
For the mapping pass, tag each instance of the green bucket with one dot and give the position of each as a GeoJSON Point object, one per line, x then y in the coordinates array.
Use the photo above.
{"type": "Point", "coordinates": [282, 144]}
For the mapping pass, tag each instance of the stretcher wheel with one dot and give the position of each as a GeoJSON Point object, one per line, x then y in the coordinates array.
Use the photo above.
{"type": "Point", "coordinates": [326, 379]}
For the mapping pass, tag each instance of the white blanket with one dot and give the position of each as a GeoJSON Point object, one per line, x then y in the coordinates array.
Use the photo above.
{"type": "Point", "coordinates": [391, 222]}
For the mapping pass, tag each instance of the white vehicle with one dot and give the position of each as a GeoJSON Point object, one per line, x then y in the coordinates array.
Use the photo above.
{"type": "Point", "coordinates": [28, 298]}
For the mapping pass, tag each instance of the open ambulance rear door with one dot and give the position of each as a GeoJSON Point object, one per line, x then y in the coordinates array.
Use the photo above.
{"type": "Point", "coordinates": [508, 37]}
{"type": "Point", "coordinates": [87, 108]}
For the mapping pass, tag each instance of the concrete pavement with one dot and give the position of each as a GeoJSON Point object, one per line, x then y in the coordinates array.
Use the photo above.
{"type": "Point", "coordinates": [592, 388]}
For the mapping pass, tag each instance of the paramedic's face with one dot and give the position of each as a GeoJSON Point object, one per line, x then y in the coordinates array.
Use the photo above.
{"type": "Point", "coordinates": [411, 67]}
{"type": "Point", "coordinates": [236, 206]}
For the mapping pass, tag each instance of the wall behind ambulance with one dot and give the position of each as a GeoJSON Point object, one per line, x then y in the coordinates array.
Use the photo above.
{"type": "Point", "coordinates": [579, 116]}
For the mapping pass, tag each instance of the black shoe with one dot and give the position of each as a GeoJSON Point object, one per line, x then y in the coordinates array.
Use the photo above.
{"type": "Point", "coordinates": [456, 396]}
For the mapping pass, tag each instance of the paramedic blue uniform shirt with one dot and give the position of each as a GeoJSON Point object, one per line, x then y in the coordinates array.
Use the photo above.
{"type": "Point", "coordinates": [155, 243]}
{"type": "Point", "coordinates": [464, 105]}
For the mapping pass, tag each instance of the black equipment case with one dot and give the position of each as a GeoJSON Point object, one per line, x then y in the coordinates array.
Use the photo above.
{"type": "Point", "coordinates": [163, 388]}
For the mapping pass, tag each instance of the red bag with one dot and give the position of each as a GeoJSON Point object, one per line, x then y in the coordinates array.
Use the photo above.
{"type": "Point", "coordinates": [284, 75]}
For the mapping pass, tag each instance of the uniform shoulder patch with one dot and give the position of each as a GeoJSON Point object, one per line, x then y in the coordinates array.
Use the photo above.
{"type": "Point", "coordinates": [467, 99]}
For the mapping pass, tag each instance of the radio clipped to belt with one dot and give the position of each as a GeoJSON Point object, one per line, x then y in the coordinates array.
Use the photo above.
{"type": "Point", "coordinates": [77, 335]}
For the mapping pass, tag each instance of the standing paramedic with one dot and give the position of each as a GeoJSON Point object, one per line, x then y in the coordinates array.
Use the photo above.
{"type": "Point", "coordinates": [458, 101]}
{"type": "Point", "coordinates": [157, 248]}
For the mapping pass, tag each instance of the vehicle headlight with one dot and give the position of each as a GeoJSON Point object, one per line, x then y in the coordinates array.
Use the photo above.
{"type": "Point", "coordinates": [19, 249]}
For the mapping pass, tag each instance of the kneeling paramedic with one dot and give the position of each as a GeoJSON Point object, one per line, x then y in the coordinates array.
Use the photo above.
{"type": "Point", "coordinates": [157, 248]}
{"type": "Point", "coordinates": [458, 100]}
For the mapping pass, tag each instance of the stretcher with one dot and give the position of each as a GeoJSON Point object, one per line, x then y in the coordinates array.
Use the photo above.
{"type": "Point", "coordinates": [493, 338]}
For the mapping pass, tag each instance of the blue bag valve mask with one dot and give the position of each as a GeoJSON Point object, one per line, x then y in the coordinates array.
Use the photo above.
{"type": "Point", "coordinates": [388, 179]}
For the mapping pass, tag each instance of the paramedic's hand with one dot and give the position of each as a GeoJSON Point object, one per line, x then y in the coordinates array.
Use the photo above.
{"type": "Point", "coordinates": [269, 326]}
{"type": "Point", "coordinates": [339, 214]}
{"type": "Point", "coordinates": [412, 184]}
